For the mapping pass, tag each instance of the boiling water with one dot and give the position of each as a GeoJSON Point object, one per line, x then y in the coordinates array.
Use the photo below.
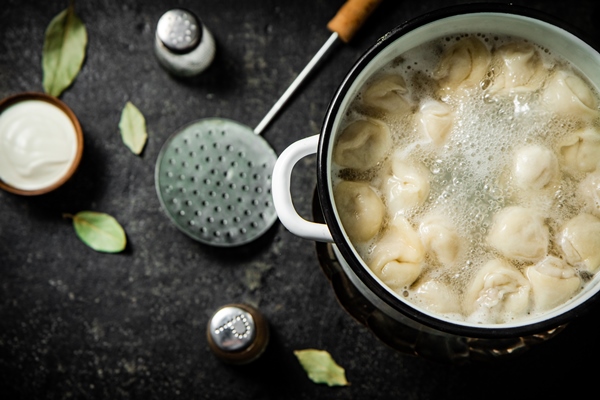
{"type": "Point", "coordinates": [470, 172]}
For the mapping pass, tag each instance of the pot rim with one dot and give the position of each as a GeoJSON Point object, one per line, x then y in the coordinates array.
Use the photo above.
{"type": "Point", "coordinates": [325, 195]}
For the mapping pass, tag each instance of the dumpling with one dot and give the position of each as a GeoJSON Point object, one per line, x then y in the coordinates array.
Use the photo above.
{"type": "Point", "coordinates": [407, 186]}
{"type": "Point", "coordinates": [581, 150]}
{"type": "Point", "coordinates": [397, 256]}
{"type": "Point", "coordinates": [589, 190]}
{"type": "Point", "coordinates": [498, 293]}
{"type": "Point", "coordinates": [519, 69]}
{"type": "Point", "coordinates": [362, 144]}
{"type": "Point", "coordinates": [463, 66]}
{"type": "Point", "coordinates": [360, 208]}
{"type": "Point", "coordinates": [440, 238]}
{"type": "Point", "coordinates": [436, 297]}
{"type": "Point", "coordinates": [553, 282]}
{"type": "Point", "coordinates": [580, 242]}
{"type": "Point", "coordinates": [568, 94]}
{"type": "Point", "coordinates": [435, 120]}
{"type": "Point", "coordinates": [534, 167]}
{"type": "Point", "coordinates": [519, 233]}
{"type": "Point", "coordinates": [387, 93]}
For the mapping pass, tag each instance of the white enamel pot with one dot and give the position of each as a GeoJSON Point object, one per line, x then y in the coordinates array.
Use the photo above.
{"type": "Point", "coordinates": [500, 19]}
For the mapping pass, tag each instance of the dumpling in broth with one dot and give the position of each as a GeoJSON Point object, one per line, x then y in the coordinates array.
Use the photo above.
{"type": "Point", "coordinates": [397, 256]}
{"type": "Point", "coordinates": [580, 242]}
{"type": "Point", "coordinates": [553, 282]}
{"type": "Point", "coordinates": [360, 208]}
{"type": "Point", "coordinates": [534, 167]}
{"type": "Point", "coordinates": [463, 66]}
{"type": "Point", "coordinates": [362, 144]}
{"type": "Point", "coordinates": [436, 296]}
{"type": "Point", "coordinates": [499, 292]}
{"type": "Point", "coordinates": [440, 238]}
{"type": "Point", "coordinates": [581, 150]}
{"type": "Point", "coordinates": [435, 120]}
{"type": "Point", "coordinates": [589, 190]}
{"type": "Point", "coordinates": [407, 186]}
{"type": "Point", "coordinates": [519, 69]}
{"type": "Point", "coordinates": [519, 233]}
{"type": "Point", "coordinates": [568, 94]}
{"type": "Point", "coordinates": [387, 93]}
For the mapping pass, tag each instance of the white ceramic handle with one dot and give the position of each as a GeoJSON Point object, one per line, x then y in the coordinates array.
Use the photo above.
{"type": "Point", "coordinates": [282, 197]}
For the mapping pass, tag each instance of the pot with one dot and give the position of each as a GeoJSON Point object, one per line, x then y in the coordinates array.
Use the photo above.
{"type": "Point", "coordinates": [500, 19]}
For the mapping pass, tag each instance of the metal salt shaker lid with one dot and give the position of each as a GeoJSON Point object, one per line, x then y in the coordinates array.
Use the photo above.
{"type": "Point", "coordinates": [179, 30]}
{"type": "Point", "coordinates": [238, 333]}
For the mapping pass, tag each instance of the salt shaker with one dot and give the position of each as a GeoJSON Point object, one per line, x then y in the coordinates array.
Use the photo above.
{"type": "Point", "coordinates": [183, 45]}
{"type": "Point", "coordinates": [237, 333]}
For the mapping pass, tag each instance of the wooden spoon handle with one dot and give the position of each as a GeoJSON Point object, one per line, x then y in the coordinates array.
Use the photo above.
{"type": "Point", "coordinates": [350, 17]}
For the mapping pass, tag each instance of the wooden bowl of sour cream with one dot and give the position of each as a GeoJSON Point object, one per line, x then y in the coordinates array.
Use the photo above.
{"type": "Point", "coordinates": [41, 143]}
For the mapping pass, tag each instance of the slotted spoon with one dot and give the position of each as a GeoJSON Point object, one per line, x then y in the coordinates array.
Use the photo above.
{"type": "Point", "coordinates": [213, 176]}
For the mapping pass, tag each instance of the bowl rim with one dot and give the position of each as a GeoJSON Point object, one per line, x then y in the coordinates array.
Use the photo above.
{"type": "Point", "coordinates": [23, 96]}
{"type": "Point", "coordinates": [325, 195]}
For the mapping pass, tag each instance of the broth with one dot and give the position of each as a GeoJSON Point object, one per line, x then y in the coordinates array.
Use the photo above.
{"type": "Point", "coordinates": [482, 151]}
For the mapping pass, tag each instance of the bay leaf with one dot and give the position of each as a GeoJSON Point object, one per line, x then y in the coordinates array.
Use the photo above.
{"type": "Point", "coordinates": [321, 368]}
{"type": "Point", "coordinates": [133, 128]}
{"type": "Point", "coordinates": [64, 51]}
{"type": "Point", "coordinates": [99, 231]}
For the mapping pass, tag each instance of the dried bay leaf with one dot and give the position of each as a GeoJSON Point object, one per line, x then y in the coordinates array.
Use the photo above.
{"type": "Point", "coordinates": [133, 128]}
{"type": "Point", "coordinates": [64, 51]}
{"type": "Point", "coordinates": [321, 368]}
{"type": "Point", "coordinates": [99, 231]}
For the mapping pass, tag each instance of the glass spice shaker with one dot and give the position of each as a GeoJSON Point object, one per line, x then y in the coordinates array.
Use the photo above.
{"type": "Point", "coordinates": [237, 333]}
{"type": "Point", "coordinates": [183, 45]}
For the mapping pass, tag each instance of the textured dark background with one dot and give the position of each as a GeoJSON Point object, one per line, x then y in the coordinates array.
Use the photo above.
{"type": "Point", "coordinates": [76, 324]}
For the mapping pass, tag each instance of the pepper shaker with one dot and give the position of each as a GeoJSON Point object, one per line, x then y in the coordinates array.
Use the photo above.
{"type": "Point", "coordinates": [183, 45]}
{"type": "Point", "coordinates": [237, 333]}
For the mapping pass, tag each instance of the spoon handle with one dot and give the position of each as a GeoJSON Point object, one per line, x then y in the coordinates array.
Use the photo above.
{"type": "Point", "coordinates": [351, 17]}
{"type": "Point", "coordinates": [345, 23]}
{"type": "Point", "coordinates": [323, 51]}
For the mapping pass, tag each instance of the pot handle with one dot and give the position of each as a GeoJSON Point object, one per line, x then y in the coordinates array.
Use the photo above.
{"type": "Point", "coordinates": [282, 197]}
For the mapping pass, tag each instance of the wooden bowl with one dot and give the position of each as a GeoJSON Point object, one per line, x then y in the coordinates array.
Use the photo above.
{"type": "Point", "coordinates": [14, 99]}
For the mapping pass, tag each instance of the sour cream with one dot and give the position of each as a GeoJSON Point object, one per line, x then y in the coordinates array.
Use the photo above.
{"type": "Point", "coordinates": [38, 144]}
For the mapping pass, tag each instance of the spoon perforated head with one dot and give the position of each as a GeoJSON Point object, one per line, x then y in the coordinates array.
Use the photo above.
{"type": "Point", "coordinates": [213, 179]}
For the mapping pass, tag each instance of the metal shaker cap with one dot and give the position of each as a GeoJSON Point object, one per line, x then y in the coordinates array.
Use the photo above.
{"type": "Point", "coordinates": [179, 30]}
{"type": "Point", "coordinates": [237, 333]}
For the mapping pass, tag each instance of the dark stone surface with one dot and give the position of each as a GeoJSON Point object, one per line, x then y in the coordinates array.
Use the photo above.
{"type": "Point", "coordinates": [79, 324]}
